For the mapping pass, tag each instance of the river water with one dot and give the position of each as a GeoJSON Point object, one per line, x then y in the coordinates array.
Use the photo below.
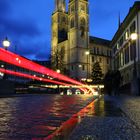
{"type": "Point", "coordinates": [37, 116]}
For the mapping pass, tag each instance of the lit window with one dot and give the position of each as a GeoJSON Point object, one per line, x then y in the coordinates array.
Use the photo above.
{"type": "Point", "coordinates": [126, 35]}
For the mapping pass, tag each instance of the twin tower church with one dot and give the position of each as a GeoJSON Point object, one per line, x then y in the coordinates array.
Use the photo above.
{"type": "Point", "coordinates": [73, 51]}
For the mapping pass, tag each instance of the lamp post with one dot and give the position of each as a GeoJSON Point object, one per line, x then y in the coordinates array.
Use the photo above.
{"type": "Point", "coordinates": [134, 83]}
{"type": "Point", "coordinates": [6, 44]}
{"type": "Point", "coordinates": [87, 54]}
{"type": "Point", "coordinates": [134, 37]}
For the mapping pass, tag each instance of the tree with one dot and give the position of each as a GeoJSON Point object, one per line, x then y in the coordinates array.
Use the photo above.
{"type": "Point", "coordinates": [108, 82]}
{"type": "Point", "coordinates": [57, 60]}
{"type": "Point", "coordinates": [112, 82]}
{"type": "Point", "coordinates": [97, 73]}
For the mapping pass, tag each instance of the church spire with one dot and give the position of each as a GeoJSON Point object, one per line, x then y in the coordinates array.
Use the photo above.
{"type": "Point", "coordinates": [60, 5]}
{"type": "Point", "coordinates": [119, 20]}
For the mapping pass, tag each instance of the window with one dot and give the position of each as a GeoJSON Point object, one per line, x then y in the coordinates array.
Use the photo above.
{"type": "Point", "coordinates": [126, 55]}
{"type": "Point", "coordinates": [121, 41]}
{"type": "Point", "coordinates": [126, 35]}
{"type": "Point", "coordinates": [83, 67]}
{"type": "Point", "coordinates": [82, 22]}
{"type": "Point", "coordinates": [117, 46]}
{"type": "Point", "coordinates": [133, 50]}
{"type": "Point", "coordinates": [115, 49]}
{"type": "Point", "coordinates": [100, 60]}
{"type": "Point", "coordinates": [94, 50]}
{"type": "Point", "coordinates": [72, 23]}
{"type": "Point", "coordinates": [121, 57]}
{"type": "Point", "coordinates": [82, 9]}
{"type": "Point", "coordinates": [107, 61]}
{"type": "Point", "coordinates": [110, 53]}
{"type": "Point", "coordinates": [72, 67]}
{"type": "Point", "coordinates": [72, 9]}
{"type": "Point", "coordinates": [133, 27]}
{"type": "Point", "coordinates": [82, 26]}
{"type": "Point", "coordinates": [97, 50]}
{"type": "Point", "coordinates": [93, 59]}
{"type": "Point", "coordinates": [63, 19]}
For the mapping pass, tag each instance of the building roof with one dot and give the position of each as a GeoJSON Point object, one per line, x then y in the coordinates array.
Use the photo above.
{"type": "Point", "coordinates": [132, 12]}
{"type": "Point", "coordinates": [99, 41]}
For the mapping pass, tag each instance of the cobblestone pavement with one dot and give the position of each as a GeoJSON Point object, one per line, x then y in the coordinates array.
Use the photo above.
{"type": "Point", "coordinates": [107, 123]}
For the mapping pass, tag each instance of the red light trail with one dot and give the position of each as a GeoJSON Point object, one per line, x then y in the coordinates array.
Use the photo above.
{"type": "Point", "coordinates": [31, 77]}
{"type": "Point", "coordinates": [19, 61]}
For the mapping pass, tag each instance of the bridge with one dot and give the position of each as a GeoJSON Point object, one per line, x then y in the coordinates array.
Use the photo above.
{"type": "Point", "coordinates": [33, 71]}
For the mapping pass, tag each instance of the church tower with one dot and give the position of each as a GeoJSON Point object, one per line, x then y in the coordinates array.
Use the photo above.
{"type": "Point", "coordinates": [59, 25]}
{"type": "Point", "coordinates": [78, 38]}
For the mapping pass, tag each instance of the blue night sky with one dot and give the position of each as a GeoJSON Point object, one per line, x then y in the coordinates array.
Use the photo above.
{"type": "Point", "coordinates": [27, 23]}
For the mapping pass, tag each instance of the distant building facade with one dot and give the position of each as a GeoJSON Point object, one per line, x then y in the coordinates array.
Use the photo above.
{"type": "Point", "coordinates": [125, 50]}
{"type": "Point", "coordinates": [71, 40]}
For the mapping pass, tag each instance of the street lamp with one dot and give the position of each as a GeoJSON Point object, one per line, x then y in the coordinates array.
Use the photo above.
{"type": "Point", "coordinates": [134, 83]}
{"type": "Point", "coordinates": [6, 43]}
{"type": "Point", "coordinates": [58, 71]}
{"type": "Point", "coordinates": [134, 37]}
{"type": "Point", "coordinates": [87, 54]}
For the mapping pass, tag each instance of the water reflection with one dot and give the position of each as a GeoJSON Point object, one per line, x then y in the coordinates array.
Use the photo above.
{"type": "Point", "coordinates": [37, 116]}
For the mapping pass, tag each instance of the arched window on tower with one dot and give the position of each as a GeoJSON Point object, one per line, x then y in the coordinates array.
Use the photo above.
{"type": "Point", "coordinates": [82, 26]}
{"type": "Point", "coordinates": [82, 22]}
{"type": "Point", "coordinates": [72, 23]}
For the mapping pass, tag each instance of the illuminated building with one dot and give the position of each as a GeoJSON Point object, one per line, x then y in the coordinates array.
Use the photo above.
{"type": "Point", "coordinates": [71, 40]}
{"type": "Point", "coordinates": [125, 50]}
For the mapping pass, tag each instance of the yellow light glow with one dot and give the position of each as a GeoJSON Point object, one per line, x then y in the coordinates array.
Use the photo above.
{"type": "Point", "coordinates": [87, 52]}
{"type": "Point", "coordinates": [134, 36]}
{"type": "Point", "coordinates": [58, 71]}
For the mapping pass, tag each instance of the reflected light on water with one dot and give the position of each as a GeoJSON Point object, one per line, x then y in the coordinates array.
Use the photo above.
{"type": "Point", "coordinates": [37, 116]}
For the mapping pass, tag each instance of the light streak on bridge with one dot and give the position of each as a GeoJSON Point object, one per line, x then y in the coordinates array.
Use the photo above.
{"type": "Point", "coordinates": [19, 61]}
{"type": "Point", "coordinates": [31, 77]}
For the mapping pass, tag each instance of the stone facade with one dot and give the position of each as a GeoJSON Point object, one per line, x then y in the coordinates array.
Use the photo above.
{"type": "Point", "coordinates": [124, 50]}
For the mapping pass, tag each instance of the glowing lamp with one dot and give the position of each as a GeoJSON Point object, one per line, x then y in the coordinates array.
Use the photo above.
{"type": "Point", "coordinates": [134, 36]}
{"type": "Point", "coordinates": [87, 52]}
{"type": "Point", "coordinates": [6, 43]}
{"type": "Point", "coordinates": [58, 71]}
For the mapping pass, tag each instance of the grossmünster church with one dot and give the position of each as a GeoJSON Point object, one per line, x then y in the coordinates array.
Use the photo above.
{"type": "Point", "coordinates": [72, 43]}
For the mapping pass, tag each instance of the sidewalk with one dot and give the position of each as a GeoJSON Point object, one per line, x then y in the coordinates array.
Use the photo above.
{"type": "Point", "coordinates": [130, 105]}
{"type": "Point", "coordinates": [114, 118]}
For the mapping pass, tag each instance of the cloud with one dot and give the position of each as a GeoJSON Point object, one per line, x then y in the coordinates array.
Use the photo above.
{"type": "Point", "coordinates": [19, 28]}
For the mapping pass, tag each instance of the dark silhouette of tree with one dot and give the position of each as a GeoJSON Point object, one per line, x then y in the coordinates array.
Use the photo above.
{"type": "Point", "coordinates": [97, 74]}
{"type": "Point", "coordinates": [112, 82]}
{"type": "Point", "coordinates": [108, 82]}
{"type": "Point", "coordinates": [116, 81]}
